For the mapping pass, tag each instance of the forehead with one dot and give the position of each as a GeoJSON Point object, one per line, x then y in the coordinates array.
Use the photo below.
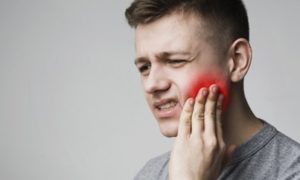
{"type": "Point", "coordinates": [171, 33]}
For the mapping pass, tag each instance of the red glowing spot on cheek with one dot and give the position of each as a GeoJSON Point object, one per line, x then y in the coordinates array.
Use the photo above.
{"type": "Point", "coordinates": [206, 80]}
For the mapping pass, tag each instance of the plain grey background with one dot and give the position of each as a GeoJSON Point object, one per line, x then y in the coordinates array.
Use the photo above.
{"type": "Point", "coordinates": [71, 103]}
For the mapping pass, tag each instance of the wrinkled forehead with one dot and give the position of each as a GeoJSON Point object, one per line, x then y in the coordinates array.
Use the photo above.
{"type": "Point", "coordinates": [173, 32]}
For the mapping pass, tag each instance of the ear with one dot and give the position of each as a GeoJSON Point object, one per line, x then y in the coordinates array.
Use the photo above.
{"type": "Point", "coordinates": [240, 57]}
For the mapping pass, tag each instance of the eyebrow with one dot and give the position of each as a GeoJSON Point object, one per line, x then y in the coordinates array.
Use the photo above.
{"type": "Point", "coordinates": [161, 55]}
{"type": "Point", "coordinates": [140, 60]}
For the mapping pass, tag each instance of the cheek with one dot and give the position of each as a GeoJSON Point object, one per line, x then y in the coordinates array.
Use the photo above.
{"type": "Point", "coordinates": [148, 99]}
{"type": "Point", "coordinates": [206, 80]}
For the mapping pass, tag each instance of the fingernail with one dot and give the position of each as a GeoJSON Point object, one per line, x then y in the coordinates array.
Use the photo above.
{"type": "Point", "coordinates": [191, 101]}
{"type": "Point", "coordinates": [215, 89]}
{"type": "Point", "coordinates": [204, 92]}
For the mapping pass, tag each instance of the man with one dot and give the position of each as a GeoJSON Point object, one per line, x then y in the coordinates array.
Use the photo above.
{"type": "Point", "coordinates": [193, 56]}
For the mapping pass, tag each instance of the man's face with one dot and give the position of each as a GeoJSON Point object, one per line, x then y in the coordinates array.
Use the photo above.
{"type": "Point", "coordinates": [174, 56]}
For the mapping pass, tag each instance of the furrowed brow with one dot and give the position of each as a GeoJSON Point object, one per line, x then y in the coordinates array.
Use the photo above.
{"type": "Point", "coordinates": [166, 54]}
{"type": "Point", "coordinates": [140, 60]}
{"type": "Point", "coordinates": [161, 55]}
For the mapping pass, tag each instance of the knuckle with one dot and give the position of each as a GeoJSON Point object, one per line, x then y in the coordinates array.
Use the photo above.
{"type": "Point", "coordinates": [200, 116]}
{"type": "Point", "coordinates": [196, 114]}
{"type": "Point", "coordinates": [182, 140]}
{"type": "Point", "coordinates": [219, 107]}
{"type": "Point", "coordinates": [201, 108]}
{"type": "Point", "coordinates": [186, 122]}
{"type": "Point", "coordinates": [222, 146]}
{"type": "Point", "coordinates": [212, 144]}
{"type": "Point", "coordinates": [188, 110]}
{"type": "Point", "coordinates": [210, 113]}
{"type": "Point", "coordinates": [196, 141]}
{"type": "Point", "coordinates": [195, 117]}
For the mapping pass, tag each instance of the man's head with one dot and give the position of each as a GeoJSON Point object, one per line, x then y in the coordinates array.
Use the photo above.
{"type": "Point", "coordinates": [183, 44]}
{"type": "Point", "coordinates": [224, 20]}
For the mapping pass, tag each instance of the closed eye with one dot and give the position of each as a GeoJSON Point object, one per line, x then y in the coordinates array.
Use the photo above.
{"type": "Point", "coordinates": [176, 61]}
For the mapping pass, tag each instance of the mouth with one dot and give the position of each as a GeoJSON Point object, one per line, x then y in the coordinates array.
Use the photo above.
{"type": "Point", "coordinates": [166, 108]}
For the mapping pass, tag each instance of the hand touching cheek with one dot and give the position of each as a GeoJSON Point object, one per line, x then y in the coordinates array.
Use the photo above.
{"type": "Point", "coordinates": [199, 150]}
{"type": "Point", "coordinates": [206, 79]}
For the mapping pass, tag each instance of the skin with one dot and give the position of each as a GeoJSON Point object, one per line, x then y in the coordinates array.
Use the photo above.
{"type": "Point", "coordinates": [200, 151]}
{"type": "Point", "coordinates": [166, 78]}
{"type": "Point", "coordinates": [170, 52]}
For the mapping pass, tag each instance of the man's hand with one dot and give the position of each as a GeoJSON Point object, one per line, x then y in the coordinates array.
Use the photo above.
{"type": "Point", "coordinates": [199, 151]}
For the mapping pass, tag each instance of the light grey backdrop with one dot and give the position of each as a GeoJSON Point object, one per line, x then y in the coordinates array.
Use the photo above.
{"type": "Point", "coordinates": [71, 104]}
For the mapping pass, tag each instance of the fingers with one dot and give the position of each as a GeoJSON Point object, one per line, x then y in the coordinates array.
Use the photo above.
{"type": "Point", "coordinates": [219, 120]}
{"type": "Point", "coordinates": [185, 122]}
{"type": "Point", "coordinates": [210, 113]}
{"type": "Point", "coordinates": [202, 116]}
{"type": "Point", "coordinates": [198, 114]}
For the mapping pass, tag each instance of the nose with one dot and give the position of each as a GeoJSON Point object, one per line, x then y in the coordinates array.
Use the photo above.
{"type": "Point", "coordinates": [157, 81]}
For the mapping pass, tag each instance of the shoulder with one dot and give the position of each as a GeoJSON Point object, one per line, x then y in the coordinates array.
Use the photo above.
{"type": "Point", "coordinates": [288, 156]}
{"type": "Point", "coordinates": [154, 167]}
{"type": "Point", "coordinates": [287, 146]}
{"type": "Point", "coordinates": [276, 144]}
{"type": "Point", "coordinates": [268, 155]}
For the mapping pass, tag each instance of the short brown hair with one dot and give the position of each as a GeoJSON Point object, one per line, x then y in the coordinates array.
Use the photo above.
{"type": "Point", "coordinates": [227, 18]}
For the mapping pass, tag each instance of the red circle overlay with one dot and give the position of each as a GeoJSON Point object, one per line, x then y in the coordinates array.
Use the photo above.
{"type": "Point", "coordinates": [206, 80]}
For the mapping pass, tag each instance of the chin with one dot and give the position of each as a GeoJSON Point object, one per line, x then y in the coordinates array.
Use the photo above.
{"type": "Point", "coordinates": [168, 128]}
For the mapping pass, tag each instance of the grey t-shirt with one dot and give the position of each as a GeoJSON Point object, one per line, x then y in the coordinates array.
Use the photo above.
{"type": "Point", "coordinates": [268, 155]}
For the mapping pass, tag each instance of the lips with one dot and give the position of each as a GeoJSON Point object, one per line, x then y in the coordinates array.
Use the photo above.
{"type": "Point", "coordinates": [166, 108]}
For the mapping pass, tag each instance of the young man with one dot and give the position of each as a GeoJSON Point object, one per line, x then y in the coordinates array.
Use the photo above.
{"type": "Point", "coordinates": [193, 56]}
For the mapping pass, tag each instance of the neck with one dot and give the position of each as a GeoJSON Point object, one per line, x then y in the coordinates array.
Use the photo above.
{"type": "Point", "coordinates": [239, 122]}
